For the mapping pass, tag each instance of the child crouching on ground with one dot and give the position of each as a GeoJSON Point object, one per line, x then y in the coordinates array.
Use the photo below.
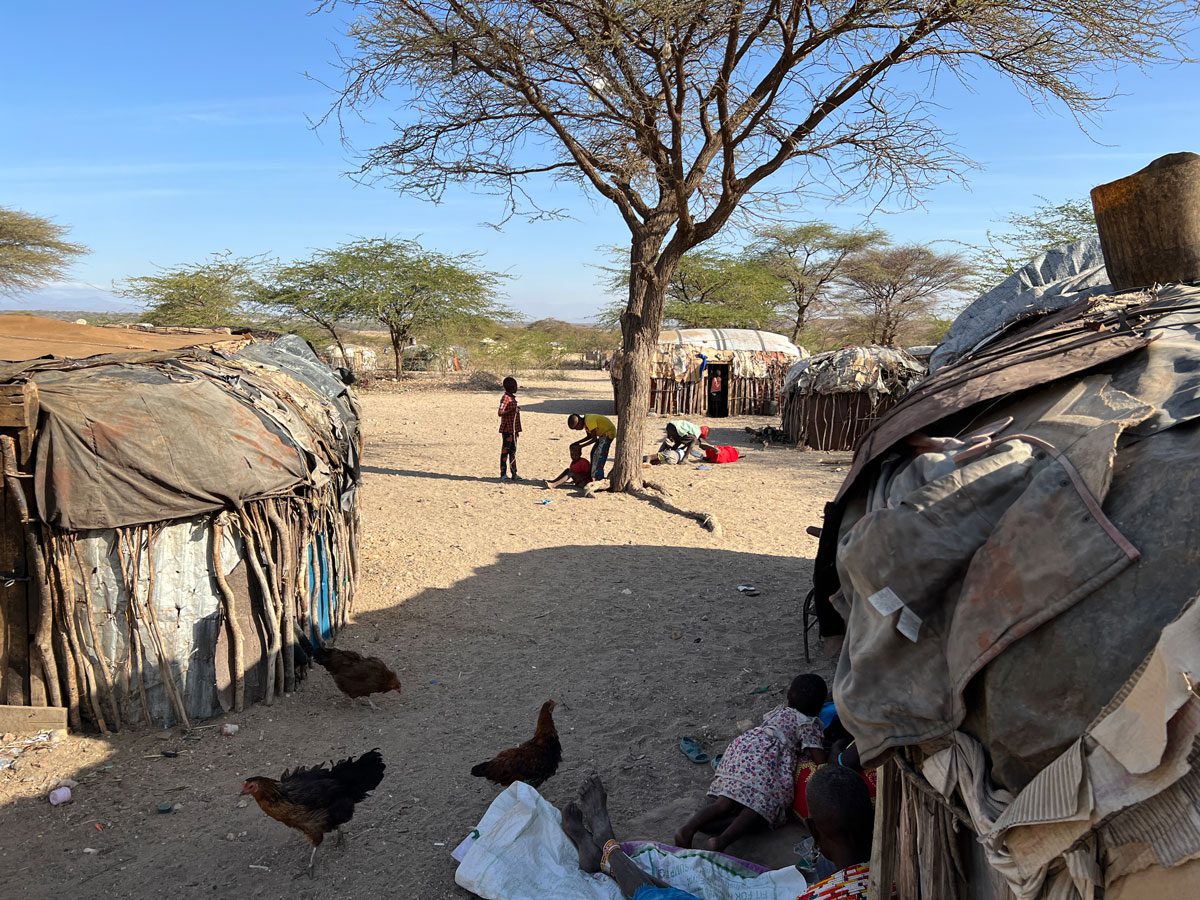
{"type": "Point", "coordinates": [755, 781]}
{"type": "Point", "coordinates": [580, 471]}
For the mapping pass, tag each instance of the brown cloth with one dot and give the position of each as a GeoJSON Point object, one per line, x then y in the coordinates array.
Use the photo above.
{"type": "Point", "coordinates": [121, 445]}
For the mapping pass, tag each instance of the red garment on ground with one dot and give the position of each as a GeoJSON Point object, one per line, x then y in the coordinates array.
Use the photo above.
{"type": "Point", "coordinates": [724, 454]}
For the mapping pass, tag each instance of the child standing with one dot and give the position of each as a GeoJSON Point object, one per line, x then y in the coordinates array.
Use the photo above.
{"type": "Point", "coordinates": [755, 781]}
{"type": "Point", "coordinates": [510, 427]}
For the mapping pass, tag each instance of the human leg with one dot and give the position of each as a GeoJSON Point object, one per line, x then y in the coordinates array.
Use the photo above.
{"type": "Point", "coordinates": [600, 457]}
{"type": "Point", "coordinates": [720, 807]}
{"type": "Point", "coordinates": [587, 826]}
{"type": "Point", "coordinates": [743, 823]}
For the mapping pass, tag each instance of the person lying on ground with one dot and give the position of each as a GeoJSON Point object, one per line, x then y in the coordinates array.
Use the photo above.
{"type": "Point", "coordinates": [510, 428]}
{"type": "Point", "coordinates": [841, 824]}
{"type": "Point", "coordinates": [841, 821]}
{"type": "Point", "coordinates": [755, 781]}
{"type": "Point", "coordinates": [719, 453]}
{"type": "Point", "coordinates": [599, 434]}
{"type": "Point", "coordinates": [579, 471]}
{"type": "Point", "coordinates": [586, 824]}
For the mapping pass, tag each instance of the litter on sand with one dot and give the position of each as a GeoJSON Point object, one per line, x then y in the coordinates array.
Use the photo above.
{"type": "Point", "coordinates": [748, 589]}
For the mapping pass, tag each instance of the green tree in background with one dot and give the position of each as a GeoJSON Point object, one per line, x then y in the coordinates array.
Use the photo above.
{"type": "Point", "coordinates": [807, 259]}
{"type": "Point", "coordinates": [401, 285]}
{"type": "Point", "coordinates": [680, 113]}
{"type": "Point", "coordinates": [205, 295]}
{"type": "Point", "coordinates": [888, 290]}
{"type": "Point", "coordinates": [710, 289]}
{"type": "Point", "coordinates": [316, 290]}
{"type": "Point", "coordinates": [33, 251]}
{"type": "Point", "coordinates": [1047, 226]}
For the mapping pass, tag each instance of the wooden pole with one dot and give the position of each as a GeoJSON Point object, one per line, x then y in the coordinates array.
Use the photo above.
{"type": "Point", "coordinates": [232, 626]}
{"type": "Point", "coordinates": [43, 677]}
{"type": "Point", "coordinates": [1149, 223]}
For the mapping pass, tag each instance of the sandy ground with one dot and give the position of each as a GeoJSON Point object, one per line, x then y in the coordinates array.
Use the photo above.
{"type": "Point", "coordinates": [486, 602]}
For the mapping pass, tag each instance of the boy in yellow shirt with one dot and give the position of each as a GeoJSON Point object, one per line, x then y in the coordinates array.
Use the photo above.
{"type": "Point", "coordinates": [599, 434]}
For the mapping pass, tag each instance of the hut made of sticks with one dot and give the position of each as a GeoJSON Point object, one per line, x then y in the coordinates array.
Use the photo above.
{"type": "Point", "coordinates": [716, 372]}
{"type": "Point", "coordinates": [830, 400]}
{"type": "Point", "coordinates": [176, 507]}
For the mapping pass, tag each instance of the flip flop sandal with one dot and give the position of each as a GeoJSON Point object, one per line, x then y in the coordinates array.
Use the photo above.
{"type": "Point", "coordinates": [716, 761]}
{"type": "Point", "coordinates": [691, 749]}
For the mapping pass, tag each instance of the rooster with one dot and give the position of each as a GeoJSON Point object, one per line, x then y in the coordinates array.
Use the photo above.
{"type": "Point", "coordinates": [533, 761]}
{"type": "Point", "coordinates": [356, 676]}
{"type": "Point", "coordinates": [319, 799]}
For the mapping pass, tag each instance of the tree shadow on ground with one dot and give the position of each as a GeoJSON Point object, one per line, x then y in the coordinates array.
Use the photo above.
{"type": "Point", "coordinates": [642, 645]}
{"type": "Point", "coordinates": [568, 406]}
{"type": "Point", "coordinates": [415, 473]}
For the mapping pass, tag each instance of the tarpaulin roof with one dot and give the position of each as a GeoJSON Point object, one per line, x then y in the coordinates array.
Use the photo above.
{"type": "Point", "coordinates": [137, 437]}
{"type": "Point", "coordinates": [731, 339]}
{"type": "Point", "coordinates": [33, 337]}
{"type": "Point", "coordinates": [874, 370]}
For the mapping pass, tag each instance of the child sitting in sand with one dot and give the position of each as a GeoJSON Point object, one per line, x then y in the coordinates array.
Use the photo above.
{"type": "Point", "coordinates": [755, 781]}
{"type": "Point", "coordinates": [579, 471]}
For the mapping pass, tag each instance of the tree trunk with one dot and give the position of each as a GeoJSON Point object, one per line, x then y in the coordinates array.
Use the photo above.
{"type": "Point", "coordinates": [640, 326]}
{"type": "Point", "coordinates": [337, 339]}
{"type": "Point", "coordinates": [395, 335]}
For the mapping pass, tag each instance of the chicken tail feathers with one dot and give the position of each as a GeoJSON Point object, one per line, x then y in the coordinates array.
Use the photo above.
{"type": "Point", "coordinates": [359, 776]}
{"type": "Point", "coordinates": [318, 655]}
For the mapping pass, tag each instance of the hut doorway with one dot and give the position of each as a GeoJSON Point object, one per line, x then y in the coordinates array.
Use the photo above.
{"type": "Point", "coordinates": [718, 391]}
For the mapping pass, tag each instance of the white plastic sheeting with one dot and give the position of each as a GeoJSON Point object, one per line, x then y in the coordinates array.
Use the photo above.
{"type": "Point", "coordinates": [731, 339]}
{"type": "Point", "coordinates": [519, 852]}
{"type": "Point", "coordinates": [1048, 282]}
{"type": "Point", "coordinates": [186, 603]}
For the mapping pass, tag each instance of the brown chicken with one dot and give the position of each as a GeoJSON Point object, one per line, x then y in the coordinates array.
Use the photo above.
{"type": "Point", "coordinates": [533, 761]}
{"type": "Point", "coordinates": [356, 676]}
{"type": "Point", "coordinates": [318, 799]}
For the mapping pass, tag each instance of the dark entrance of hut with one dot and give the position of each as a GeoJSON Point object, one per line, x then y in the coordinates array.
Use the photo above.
{"type": "Point", "coordinates": [718, 391]}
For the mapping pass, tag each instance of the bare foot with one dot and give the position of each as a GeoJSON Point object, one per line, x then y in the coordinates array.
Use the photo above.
{"type": "Point", "coordinates": [593, 801]}
{"type": "Point", "coordinates": [585, 844]}
{"type": "Point", "coordinates": [550, 485]}
{"type": "Point", "coordinates": [684, 837]}
{"type": "Point", "coordinates": [713, 844]}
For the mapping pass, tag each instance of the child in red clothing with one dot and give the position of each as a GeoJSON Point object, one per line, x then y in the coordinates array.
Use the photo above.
{"type": "Point", "coordinates": [510, 427]}
{"type": "Point", "coordinates": [580, 471]}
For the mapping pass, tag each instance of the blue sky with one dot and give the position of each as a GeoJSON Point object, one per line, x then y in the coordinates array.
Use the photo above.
{"type": "Point", "coordinates": [161, 132]}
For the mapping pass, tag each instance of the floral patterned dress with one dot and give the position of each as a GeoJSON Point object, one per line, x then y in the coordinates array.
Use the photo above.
{"type": "Point", "coordinates": [759, 766]}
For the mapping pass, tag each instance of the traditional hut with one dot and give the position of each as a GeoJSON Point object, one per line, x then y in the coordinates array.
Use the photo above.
{"type": "Point", "coordinates": [716, 372]}
{"type": "Point", "coordinates": [175, 507]}
{"type": "Point", "coordinates": [1012, 560]}
{"type": "Point", "coordinates": [358, 359]}
{"type": "Point", "coordinates": [830, 400]}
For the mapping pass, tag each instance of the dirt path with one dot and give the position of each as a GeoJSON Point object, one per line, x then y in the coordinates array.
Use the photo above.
{"type": "Point", "coordinates": [486, 602]}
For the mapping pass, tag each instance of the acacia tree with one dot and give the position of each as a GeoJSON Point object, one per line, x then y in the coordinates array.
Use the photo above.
{"type": "Point", "coordinates": [678, 112]}
{"type": "Point", "coordinates": [203, 295]}
{"type": "Point", "coordinates": [1047, 226]}
{"type": "Point", "coordinates": [33, 251]}
{"type": "Point", "coordinates": [315, 289]}
{"type": "Point", "coordinates": [807, 259]}
{"type": "Point", "coordinates": [887, 289]}
{"type": "Point", "coordinates": [406, 287]}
